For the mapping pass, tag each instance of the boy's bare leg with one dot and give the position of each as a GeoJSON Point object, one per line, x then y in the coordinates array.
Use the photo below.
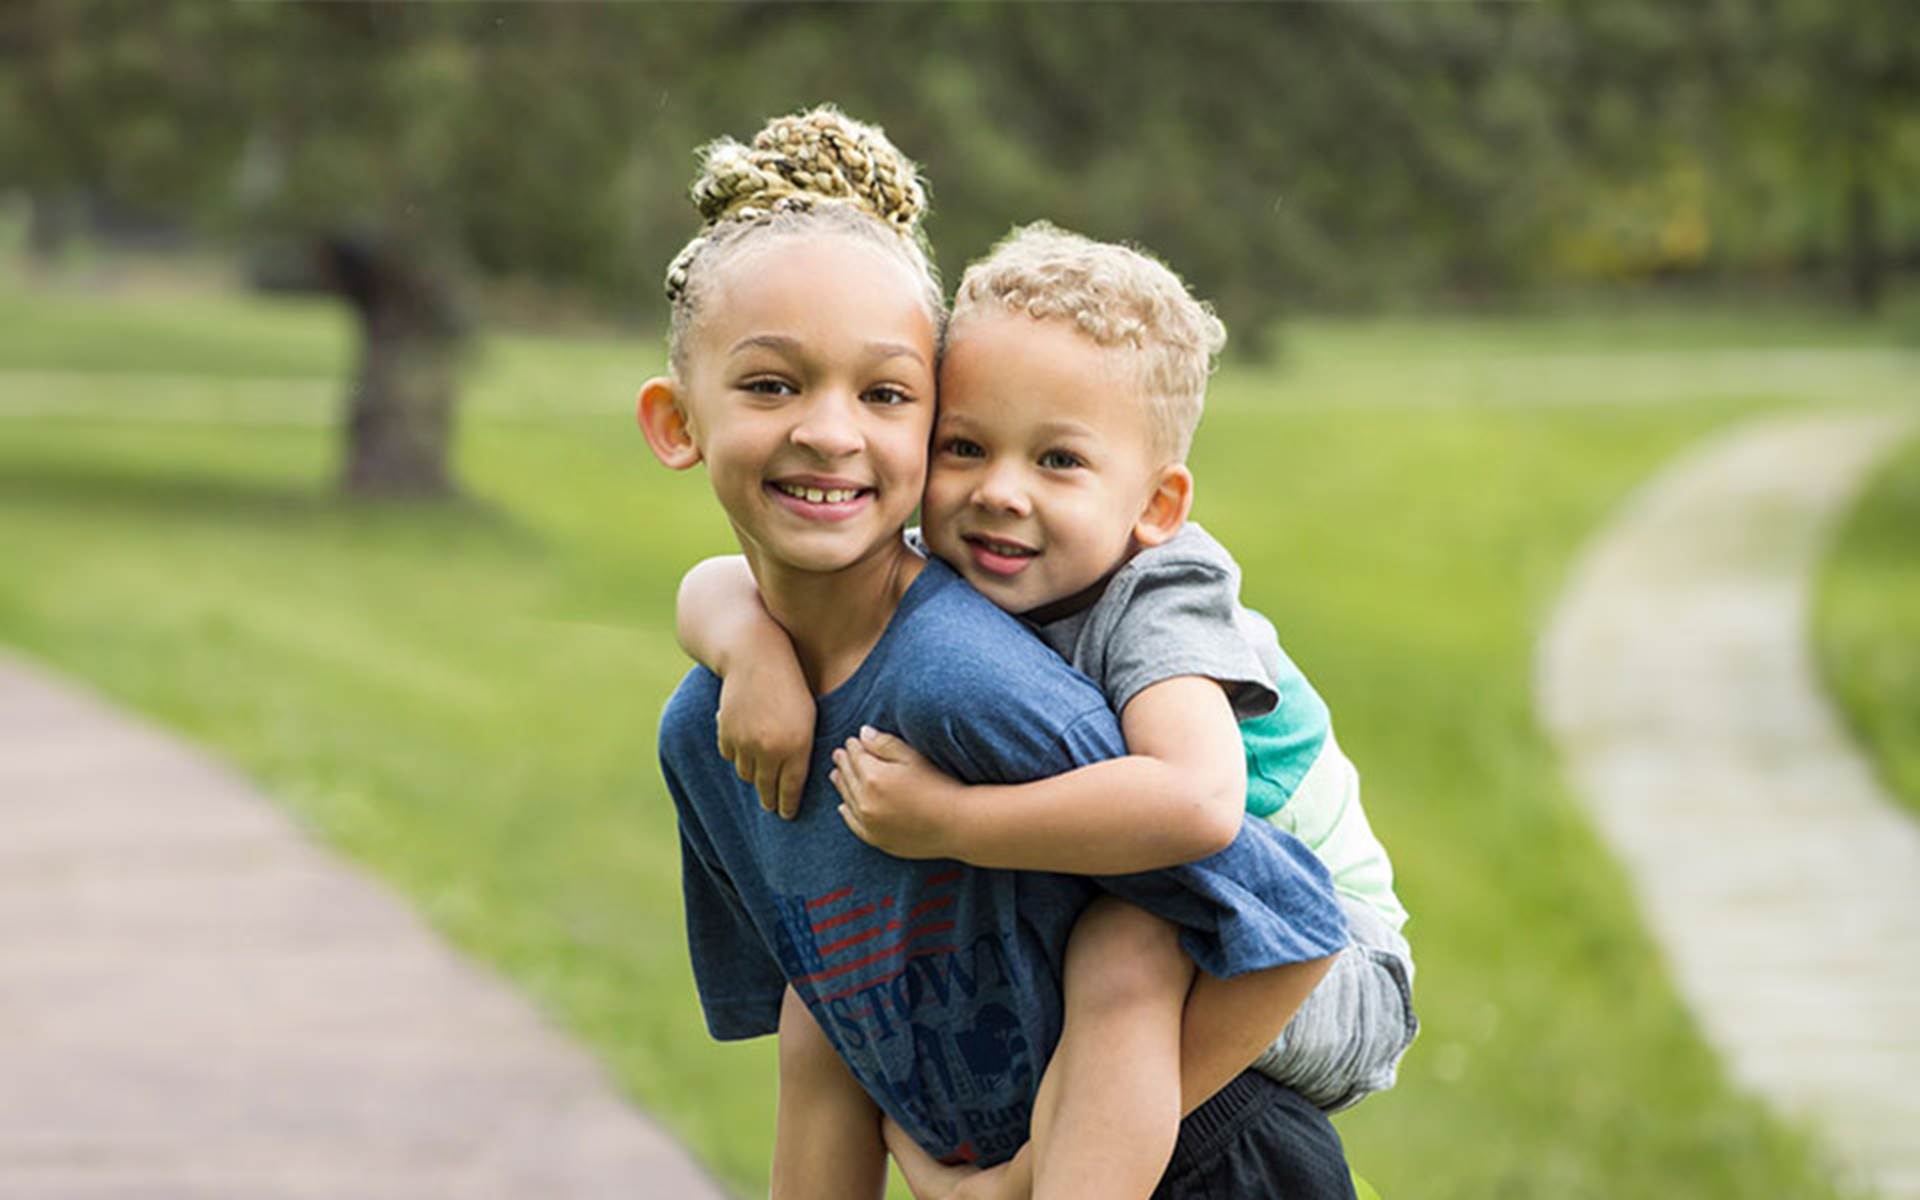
{"type": "Point", "coordinates": [1228, 1022]}
{"type": "Point", "coordinates": [826, 1141]}
{"type": "Point", "coordinates": [1225, 1025]}
{"type": "Point", "coordinates": [1108, 1108]}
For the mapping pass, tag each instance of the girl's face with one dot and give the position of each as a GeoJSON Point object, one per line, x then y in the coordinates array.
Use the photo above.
{"type": "Point", "coordinates": [809, 391]}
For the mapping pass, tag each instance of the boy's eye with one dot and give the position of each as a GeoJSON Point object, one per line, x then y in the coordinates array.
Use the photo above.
{"type": "Point", "coordinates": [962, 448]}
{"type": "Point", "coordinates": [1061, 460]}
{"type": "Point", "coordinates": [888, 396]}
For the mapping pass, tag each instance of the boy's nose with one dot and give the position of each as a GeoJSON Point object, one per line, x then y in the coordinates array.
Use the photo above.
{"type": "Point", "coordinates": [1000, 492]}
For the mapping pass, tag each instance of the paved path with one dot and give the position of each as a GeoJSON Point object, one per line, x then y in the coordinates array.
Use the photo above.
{"type": "Point", "coordinates": [196, 1001]}
{"type": "Point", "coordinates": [1783, 886]}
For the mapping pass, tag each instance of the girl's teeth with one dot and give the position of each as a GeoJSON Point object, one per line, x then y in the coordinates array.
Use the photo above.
{"type": "Point", "coordinates": [820, 495]}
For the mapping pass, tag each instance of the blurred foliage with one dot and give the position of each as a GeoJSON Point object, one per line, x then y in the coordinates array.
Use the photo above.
{"type": "Point", "coordinates": [1282, 156]}
{"type": "Point", "coordinates": [1867, 622]}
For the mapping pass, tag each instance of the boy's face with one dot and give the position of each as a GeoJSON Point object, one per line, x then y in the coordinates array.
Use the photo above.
{"type": "Point", "coordinates": [1043, 460]}
{"type": "Point", "coordinates": [809, 392]}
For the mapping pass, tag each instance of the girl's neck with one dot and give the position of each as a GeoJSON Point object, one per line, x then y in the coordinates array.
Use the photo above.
{"type": "Point", "coordinates": [836, 618]}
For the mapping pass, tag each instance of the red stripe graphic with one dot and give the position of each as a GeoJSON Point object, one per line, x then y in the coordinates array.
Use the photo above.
{"type": "Point", "coordinates": [852, 914]}
{"type": "Point", "coordinates": [834, 948]}
{"type": "Point", "coordinates": [897, 972]}
{"type": "Point", "coordinates": [830, 897]}
{"type": "Point", "coordinates": [947, 876]}
{"type": "Point", "coordinates": [926, 906]}
{"type": "Point", "coordinates": [877, 955]}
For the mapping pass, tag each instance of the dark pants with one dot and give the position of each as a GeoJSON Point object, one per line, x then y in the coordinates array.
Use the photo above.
{"type": "Point", "coordinates": [1256, 1140]}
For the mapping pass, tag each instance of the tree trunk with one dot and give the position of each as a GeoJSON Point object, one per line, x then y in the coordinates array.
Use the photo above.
{"type": "Point", "coordinates": [1866, 257]}
{"type": "Point", "coordinates": [53, 217]}
{"type": "Point", "coordinates": [399, 428]}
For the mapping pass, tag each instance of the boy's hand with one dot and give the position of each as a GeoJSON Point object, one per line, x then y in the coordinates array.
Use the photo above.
{"type": "Point", "coordinates": [766, 731]}
{"type": "Point", "coordinates": [895, 800]}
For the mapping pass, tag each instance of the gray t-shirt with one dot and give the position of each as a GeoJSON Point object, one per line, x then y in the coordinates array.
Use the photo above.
{"type": "Point", "coordinates": [1174, 609]}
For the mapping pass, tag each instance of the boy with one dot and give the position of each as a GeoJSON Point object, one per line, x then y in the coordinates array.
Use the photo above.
{"type": "Point", "coordinates": [1070, 390]}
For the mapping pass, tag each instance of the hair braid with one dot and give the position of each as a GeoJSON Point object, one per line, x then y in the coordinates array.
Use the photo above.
{"type": "Point", "coordinates": [795, 163]}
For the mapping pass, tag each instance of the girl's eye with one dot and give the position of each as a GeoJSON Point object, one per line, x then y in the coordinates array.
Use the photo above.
{"type": "Point", "coordinates": [768, 387]}
{"type": "Point", "coordinates": [1061, 460]}
{"type": "Point", "coordinates": [962, 448]}
{"type": "Point", "coordinates": [888, 396]}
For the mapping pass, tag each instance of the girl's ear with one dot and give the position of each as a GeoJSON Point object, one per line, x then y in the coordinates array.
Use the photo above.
{"type": "Point", "coordinates": [1167, 506]}
{"type": "Point", "coordinates": [663, 418]}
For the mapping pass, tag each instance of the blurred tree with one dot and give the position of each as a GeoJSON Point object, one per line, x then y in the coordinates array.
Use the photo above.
{"type": "Point", "coordinates": [1842, 84]}
{"type": "Point", "coordinates": [415, 144]}
{"type": "Point", "coordinates": [110, 99]}
{"type": "Point", "coordinates": [1278, 155]}
{"type": "Point", "coordinates": [405, 145]}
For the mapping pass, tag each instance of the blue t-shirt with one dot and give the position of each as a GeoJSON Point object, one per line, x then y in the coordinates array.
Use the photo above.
{"type": "Point", "coordinates": [939, 983]}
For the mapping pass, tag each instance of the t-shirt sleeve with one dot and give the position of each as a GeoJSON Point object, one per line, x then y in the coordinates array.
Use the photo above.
{"type": "Point", "coordinates": [1182, 618]}
{"type": "Point", "coordinates": [1009, 720]}
{"type": "Point", "coordinates": [737, 976]}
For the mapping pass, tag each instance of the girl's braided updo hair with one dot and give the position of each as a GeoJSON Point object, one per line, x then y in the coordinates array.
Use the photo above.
{"type": "Point", "coordinates": [816, 171]}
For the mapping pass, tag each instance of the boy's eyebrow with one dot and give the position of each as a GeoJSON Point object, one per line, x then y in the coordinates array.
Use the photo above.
{"type": "Point", "coordinates": [791, 345]}
{"type": "Point", "coordinates": [1065, 429]}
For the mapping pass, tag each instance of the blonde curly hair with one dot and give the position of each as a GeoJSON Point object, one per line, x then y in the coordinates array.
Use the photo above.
{"type": "Point", "coordinates": [815, 171]}
{"type": "Point", "coordinates": [1118, 296]}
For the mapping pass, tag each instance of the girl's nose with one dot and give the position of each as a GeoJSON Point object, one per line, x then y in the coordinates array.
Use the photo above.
{"type": "Point", "coordinates": [828, 429]}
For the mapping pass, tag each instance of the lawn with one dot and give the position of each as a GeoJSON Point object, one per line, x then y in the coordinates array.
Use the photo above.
{"type": "Point", "coordinates": [1867, 622]}
{"type": "Point", "coordinates": [464, 698]}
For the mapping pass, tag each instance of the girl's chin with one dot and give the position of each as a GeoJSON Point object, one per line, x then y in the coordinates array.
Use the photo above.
{"type": "Point", "coordinates": [826, 554]}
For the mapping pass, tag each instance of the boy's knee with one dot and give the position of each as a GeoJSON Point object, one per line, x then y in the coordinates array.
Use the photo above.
{"type": "Point", "coordinates": [1120, 956]}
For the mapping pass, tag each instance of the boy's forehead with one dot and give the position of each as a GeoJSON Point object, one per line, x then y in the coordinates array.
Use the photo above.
{"type": "Point", "coordinates": [1047, 365]}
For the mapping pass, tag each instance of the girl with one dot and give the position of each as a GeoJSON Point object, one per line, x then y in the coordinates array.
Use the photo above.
{"type": "Point", "coordinates": [805, 325]}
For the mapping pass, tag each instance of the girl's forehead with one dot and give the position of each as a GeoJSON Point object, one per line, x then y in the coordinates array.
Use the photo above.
{"type": "Point", "coordinates": [816, 287]}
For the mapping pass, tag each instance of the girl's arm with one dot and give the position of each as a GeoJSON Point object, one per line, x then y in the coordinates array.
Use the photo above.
{"type": "Point", "coordinates": [1177, 797]}
{"type": "Point", "coordinates": [766, 709]}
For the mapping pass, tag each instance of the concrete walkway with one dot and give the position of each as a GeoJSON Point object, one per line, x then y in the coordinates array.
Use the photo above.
{"type": "Point", "coordinates": [1783, 886]}
{"type": "Point", "coordinates": [196, 1001]}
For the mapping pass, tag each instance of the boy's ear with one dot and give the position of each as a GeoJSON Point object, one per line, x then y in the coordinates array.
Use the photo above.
{"type": "Point", "coordinates": [1167, 506]}
{"type": "Point", "coordinates": [663, 418]}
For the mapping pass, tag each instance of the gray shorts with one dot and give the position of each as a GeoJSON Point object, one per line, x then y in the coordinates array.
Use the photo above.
{"type": "Point", "coordinates": [1346, 1040]}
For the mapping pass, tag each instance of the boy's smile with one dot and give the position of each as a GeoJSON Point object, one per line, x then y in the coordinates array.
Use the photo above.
{"type": "Point", "coordinates": [1043, 460]}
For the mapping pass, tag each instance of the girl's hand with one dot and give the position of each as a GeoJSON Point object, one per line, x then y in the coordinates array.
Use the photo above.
{"type": "Point", "coordinates": [895, 800]}
{"type": "Point", "coordinates": [931, 1180]}
{"type": "Point", "coordinates": [766, 730]}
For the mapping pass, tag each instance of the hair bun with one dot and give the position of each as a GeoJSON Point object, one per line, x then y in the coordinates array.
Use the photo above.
{"type": "Point", "coordinates": [820, 154]}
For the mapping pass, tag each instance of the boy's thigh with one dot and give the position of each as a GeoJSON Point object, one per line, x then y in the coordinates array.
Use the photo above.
{"type": "Point", "coordinates": [1346, 1041]}
{"type": "Point", "coordinates": [1257, 1139]}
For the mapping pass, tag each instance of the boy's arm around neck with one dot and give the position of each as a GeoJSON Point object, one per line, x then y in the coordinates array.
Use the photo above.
{"type": "Point", "coordinates": [1177, 796]}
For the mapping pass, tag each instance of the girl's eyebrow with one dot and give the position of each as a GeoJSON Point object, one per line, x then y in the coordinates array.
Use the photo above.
{"type": "Point", "coordinates": [770, 341]}
{"type": "Point", "coordinates": [885, 350]}
{"type": "Point", "coordinates": [785, 344]}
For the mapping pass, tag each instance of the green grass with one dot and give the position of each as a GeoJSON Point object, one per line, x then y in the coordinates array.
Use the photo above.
{"type": "Point", "coordinates": [1867, 622]}
{"type": "Point", "coordinates": [465, 698]}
